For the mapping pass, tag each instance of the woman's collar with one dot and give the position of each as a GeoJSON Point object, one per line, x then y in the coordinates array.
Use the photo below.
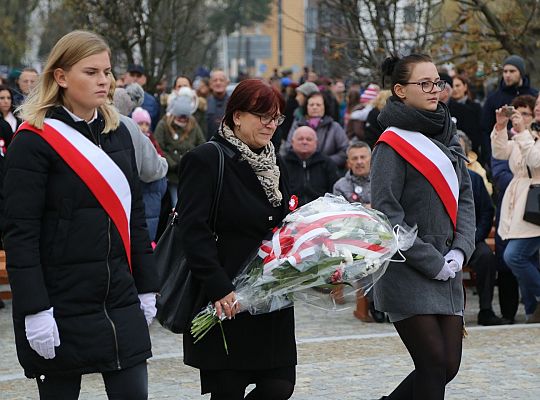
{"type": "Point", "coordinates": [79, 119]}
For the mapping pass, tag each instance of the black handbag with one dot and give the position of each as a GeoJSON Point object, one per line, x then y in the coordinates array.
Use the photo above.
{"type": "Point", "coordinates": [532, 207]}
{"type": "Point", "coordinates": [176, 300]}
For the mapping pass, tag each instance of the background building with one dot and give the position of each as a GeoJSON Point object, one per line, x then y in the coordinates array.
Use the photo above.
{"type": "Point", "coordinates": [278, 43]}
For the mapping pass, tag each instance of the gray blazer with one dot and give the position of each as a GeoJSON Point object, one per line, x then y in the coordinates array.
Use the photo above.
{"type": "Point", "coordinates": [408, 199]}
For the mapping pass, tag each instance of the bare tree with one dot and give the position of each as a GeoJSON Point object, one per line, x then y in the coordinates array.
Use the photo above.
{"type": "Point", "coordinates": [487, 31]}
{"type": "Point", "coordinates": [14, 20]}
{"type": "Point", "coordinates": [356, 35]}
{"type": "Point", "coordinates": [168, 37]}
{"type": "Point", "coordinates": [154, 33]}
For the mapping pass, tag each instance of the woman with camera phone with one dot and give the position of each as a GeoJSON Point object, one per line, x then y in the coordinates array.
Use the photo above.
{"type": "Point", "coordinates": [522, 150]}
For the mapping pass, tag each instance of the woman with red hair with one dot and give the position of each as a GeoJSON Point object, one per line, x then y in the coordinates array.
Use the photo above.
{"type": "Point", "coordinates": [254, 200]}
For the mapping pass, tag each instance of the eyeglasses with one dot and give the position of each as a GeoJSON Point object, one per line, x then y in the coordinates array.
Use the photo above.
{"type": "Point", "coordinates": [427, 86]}
{"type": "Point", "coordinates": [526, 114]}
{"type": "Point", "coordinates": [266, 119]}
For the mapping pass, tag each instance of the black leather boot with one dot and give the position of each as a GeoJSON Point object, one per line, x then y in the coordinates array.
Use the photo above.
{"type": "Point", "coordinates": [378, 316]}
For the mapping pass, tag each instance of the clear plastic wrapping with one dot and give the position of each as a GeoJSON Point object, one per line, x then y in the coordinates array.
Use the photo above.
{"type": "Point", "coordinates": [322, 254]}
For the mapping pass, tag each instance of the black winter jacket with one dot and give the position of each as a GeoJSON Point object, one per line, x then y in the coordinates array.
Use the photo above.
{"type": "Point", "coordinates": [332, 141]}
{"type": "Point", "coordinates": [468, 116]}
{"type": "Point", "coordinates": [63, 251]}
{"type": "Point", "coordinates": [483, 207]}
{"type": "Point", "coordinates": [309, 179]}
{"type": "Point", "coordinates": [245, 217]}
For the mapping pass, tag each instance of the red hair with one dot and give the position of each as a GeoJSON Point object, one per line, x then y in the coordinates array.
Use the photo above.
{"type": "Point", "coordinates": [253, 95]}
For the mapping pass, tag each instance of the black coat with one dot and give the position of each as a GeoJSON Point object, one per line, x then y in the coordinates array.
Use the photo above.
{"type": "Point", "coordinates": [6, 133]}
{"type": "Point", "coordinates": [63, 251]}
{"type": "Point", "coordinates": [373, 129]}
{"type": "Point", "coordinates": [483, 207]}
{"type": "Point", "coordinates": [309, 179]}
{"type": "Point", "coordinates": [245, 217]}
{"type": "Point", "coordinates": [468, 116]}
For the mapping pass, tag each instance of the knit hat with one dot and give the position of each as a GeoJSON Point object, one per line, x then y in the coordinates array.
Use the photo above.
{"type": "Point", "coordinates": [141, 115]}
{"type": "Point", "coordinates": [122, 101]}
{"type": "Point", "coordinates": [307, 88]}
{"type": "Point", "coordinates": [445, 77]}
{"type": "Point", "coordinates": [370, 93]}
{"type": "Point", "coordinates": [517, 62]}
{"type": "Point", "coordinates": [136, 92]}
{"type": "Point", "coordinates": [137, 68]}
{"type": "Point", "coordinates": [182, 105]}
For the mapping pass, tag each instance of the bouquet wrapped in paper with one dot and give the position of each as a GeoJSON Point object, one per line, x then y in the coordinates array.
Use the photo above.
{"type": "Point", "coordinates": [322, 254]}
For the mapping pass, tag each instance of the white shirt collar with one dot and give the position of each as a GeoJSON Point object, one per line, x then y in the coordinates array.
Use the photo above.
{"type": "Point", "coordinates": [78, 119]}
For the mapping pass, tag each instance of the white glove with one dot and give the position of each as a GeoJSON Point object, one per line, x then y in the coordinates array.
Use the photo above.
{"type": "Point", "coordinates": [148, 306]}
{"type": "Point", "coordinates": [445, 273]}
{"type": "Point", "coordinates": [42, 333]}
{"type": "Point", "coordinates": [455, 258]}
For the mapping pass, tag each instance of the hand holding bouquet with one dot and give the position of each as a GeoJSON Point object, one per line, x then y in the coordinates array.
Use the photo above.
{"type": "Point", "coordinates": [323, 252]}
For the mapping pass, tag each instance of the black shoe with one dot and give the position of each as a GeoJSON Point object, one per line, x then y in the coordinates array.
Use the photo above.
{"type": "Point", "coordinates": [488, 318]}
{"type": "Point", "coordinates": [378, 316]}
{"type": "Point", "coordinates": [2, 305]}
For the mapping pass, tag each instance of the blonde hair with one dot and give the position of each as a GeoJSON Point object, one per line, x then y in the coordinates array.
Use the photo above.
{"type": "Point", "coordinates": [380, 101]}
{"type": "Point", "coordinates": [68, 51]}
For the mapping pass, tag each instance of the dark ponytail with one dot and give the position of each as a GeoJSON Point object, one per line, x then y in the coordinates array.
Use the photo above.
{"type": "Point", "coordinates": [399, 69]}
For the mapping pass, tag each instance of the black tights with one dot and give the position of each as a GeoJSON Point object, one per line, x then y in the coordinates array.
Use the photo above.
{"type": "Point", "coordinates": [125, 384]}
{"type": "Point", "coordinates": [265, 389]}
{"type": "Point", "coordinates": [434, 343]}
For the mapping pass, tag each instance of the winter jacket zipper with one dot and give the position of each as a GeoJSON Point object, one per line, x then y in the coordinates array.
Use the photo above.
{"type": "Point", "coordinates": [118, 366]}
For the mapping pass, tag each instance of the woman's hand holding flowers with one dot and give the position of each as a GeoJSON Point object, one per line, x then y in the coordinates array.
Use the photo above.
{"type": "Point", "coordinates": [227, 305]}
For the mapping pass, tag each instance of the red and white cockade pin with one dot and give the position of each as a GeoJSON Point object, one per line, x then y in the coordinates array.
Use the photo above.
{"type": "Point", "coordinates": [293, 202]}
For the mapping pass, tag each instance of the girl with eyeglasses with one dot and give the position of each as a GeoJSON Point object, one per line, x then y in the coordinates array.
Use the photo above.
{"type": "Point", "coordinates": [419, 178]}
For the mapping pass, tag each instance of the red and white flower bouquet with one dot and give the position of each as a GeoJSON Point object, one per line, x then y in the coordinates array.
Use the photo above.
{"type": "Point", "coordinates": [325, 245]}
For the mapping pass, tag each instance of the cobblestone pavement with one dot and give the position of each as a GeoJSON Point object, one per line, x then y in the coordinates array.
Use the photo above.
{"type": "Point", "coordinates": [339, 358]}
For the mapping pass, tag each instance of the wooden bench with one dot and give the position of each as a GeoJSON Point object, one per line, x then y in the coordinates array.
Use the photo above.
{"type": "Point", "coordinates": [469, 276]}
{"type": "Point", "coordinates": [5, 291]}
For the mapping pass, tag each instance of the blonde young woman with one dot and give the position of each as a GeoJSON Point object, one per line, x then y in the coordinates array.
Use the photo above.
{"type": "Point", "coordinates": [78, 254]}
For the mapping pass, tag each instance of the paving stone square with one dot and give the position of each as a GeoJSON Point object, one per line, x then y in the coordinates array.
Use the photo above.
{"type": "Point", "coordinates": [339, 358]}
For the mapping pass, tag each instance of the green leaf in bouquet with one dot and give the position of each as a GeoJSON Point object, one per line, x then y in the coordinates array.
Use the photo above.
{"type": "Point", "coordinates": [386, 236]}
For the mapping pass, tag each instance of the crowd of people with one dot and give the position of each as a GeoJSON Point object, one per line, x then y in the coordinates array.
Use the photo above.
{"type": "Point", "coordinates": [85, 253]}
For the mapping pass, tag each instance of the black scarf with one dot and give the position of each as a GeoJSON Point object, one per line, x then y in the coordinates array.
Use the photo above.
{"type": "Point", "coordinates": [436, 124]}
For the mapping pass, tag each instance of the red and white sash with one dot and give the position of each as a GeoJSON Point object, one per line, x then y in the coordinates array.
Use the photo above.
{"type": "Point", "coordinates": [430, 161]}
{"type": "Point", "coordinates": [96, 169]}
